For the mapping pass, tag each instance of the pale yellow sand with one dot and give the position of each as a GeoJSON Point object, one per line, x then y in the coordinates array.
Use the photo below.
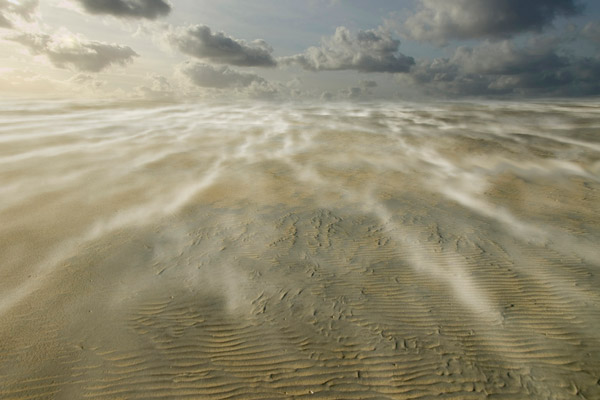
{"type": "Point", "coordinates": [285, 251]}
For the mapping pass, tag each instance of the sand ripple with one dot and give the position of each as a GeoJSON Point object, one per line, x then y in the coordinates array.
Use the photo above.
{"type": "Point", "coordinates": [382, 251]}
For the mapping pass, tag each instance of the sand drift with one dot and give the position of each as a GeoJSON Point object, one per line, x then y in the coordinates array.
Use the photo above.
{"type": "Point", "coordinates": [380, 251]}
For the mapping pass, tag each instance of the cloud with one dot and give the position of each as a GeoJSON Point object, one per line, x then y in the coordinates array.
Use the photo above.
{"type": "Point", "coordinates": [367, 51]}
{"type": "Point", "coordinates": [66, 50]}
{"type": "Point", "coordinates": [148, 9]}
{"type": "Point", "coordinates": [9, 10]}
{"type": "Point", "coordinates": [326, 96]}
{"type": "Point", "coordinates": [503, 68]}
{"type": "Point", "coordinates": [262, 90]}
{"type": "Point", "coordinates": [368, 84]}
{"type": "Point", "coordinates": [221, 82]}
{"type": "Point", "coordinates": [90, 84]}
{"type": "Point", "coordinates": [591, 32]}
{"type": "Point", "coordinates": [4, 22]}
{"type": "Point", "coordinates": [353, 93]}
{"type": "Point", "coordinates": [220, 77]}
{"type": "Point", "coordinates": [361, 92]}
{"type": "Point", "coordinates": [198, 41]}
{"type": "Point", "coordinates": [158, 87]}
{"type": "Point", "coordinates": [22, 82]}
{"type": "Point", "coordinates": [505, 58]}
{"type": "Point", "coordinates": [440, 20]}
{"type": "Point", "coordinates": [25, 81]}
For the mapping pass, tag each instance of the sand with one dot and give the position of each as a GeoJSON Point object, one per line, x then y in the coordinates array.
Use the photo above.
{"type": "Point", "coordinates": [261, 251]}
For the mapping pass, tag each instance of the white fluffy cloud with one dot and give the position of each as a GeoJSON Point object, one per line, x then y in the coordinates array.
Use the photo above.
{"type": "Point", "coordinates": [366, 51]}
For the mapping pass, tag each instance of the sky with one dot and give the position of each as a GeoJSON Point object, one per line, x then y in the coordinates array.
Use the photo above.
{"type": "Point", "coordinates": [300, 49]}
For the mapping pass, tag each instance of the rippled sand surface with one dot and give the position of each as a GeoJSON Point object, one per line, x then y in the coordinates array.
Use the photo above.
{"type": "Point", "coordinates": [382, 251]}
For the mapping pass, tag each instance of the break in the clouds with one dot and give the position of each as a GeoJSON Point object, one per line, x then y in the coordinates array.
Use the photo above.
{"type": "Point", "coordinates": [501, 68]}
{"type": "Point", "coordinates": [366, 51]}
{"type": "Point", "coordinates": [216, 47]}
{"type": "Point", "coordinates": [66, 50]}
{"type": "Point", "coordinates": [217, 77]}
{"type": "Point", "coordinates": [440, 20]}
{"type": "Point", "coordinates": [148, 9]}
{"type": "Point", "coordinates": [9, 10]}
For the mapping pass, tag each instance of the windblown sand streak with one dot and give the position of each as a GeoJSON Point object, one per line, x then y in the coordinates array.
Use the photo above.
{"type": "Point", "coordinates": [381, 251]}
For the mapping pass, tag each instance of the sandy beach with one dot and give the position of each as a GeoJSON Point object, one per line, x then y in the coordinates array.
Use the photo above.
{"type": "Point", "coordinates": [285, 251]}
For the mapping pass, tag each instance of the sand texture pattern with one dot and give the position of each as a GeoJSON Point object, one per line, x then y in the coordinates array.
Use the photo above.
{"type": "Point", "coordinates": [377, 251]}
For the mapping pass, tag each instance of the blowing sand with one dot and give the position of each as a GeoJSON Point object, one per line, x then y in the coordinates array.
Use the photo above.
{"type": "Point", "coordinates": [383, 251]}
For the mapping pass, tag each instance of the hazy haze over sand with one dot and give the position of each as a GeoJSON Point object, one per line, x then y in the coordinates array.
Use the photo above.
{"type": "Point", "coordinates": [345, 251]}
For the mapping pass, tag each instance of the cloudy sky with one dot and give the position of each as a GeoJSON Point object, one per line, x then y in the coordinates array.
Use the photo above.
{"type": "Point", "coordinates": [300, 49]}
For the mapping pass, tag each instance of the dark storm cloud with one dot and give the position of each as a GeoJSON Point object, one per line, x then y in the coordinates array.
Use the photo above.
{"type": "Point", "coordinates": [24, 9]}
{"type": "Point", "coordinates": [149, 9]}
{"type": "Point", "coordinates": [200, 42]}
{"type": "Point", "coordinates": [503, 68]}
{"type": "Point", "coordinates": [440, 20]}
{"type": "Point", "coordinates": [367, 51]}
{"type": "Point", "coordinates": [80, 54]}
{"type": "Point", "coordinates": [220, 77]}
